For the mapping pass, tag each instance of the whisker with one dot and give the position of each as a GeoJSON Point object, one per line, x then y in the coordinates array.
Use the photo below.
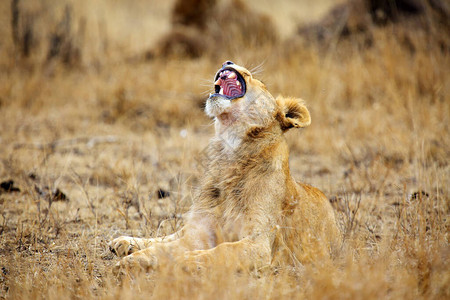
{"type": "Point", "coordinates": [206, 93]}
{"type": "Point", "coordinates": [209, 124]}
{"type": "Point", "coordinates": [206, 85]}
{"type": "Point", "coordinates": [208, 81]}
{"type": "Point", "coordinates": [259, 68]}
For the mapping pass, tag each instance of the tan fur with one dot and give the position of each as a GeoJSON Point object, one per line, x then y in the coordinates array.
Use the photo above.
{"type": "Point", "coordinates": [248, 208]}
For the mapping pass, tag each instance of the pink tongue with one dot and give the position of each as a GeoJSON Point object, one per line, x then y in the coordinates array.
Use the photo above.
{"type": "Point", "coordinates": [230, 88]}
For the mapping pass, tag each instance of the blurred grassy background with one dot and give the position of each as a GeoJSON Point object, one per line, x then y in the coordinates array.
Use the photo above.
{"type": "Point", "coordinates": [101, 112]}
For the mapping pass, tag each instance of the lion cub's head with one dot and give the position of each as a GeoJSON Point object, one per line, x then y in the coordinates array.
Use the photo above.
{"type": "Point", "coordinates": [241, 102]}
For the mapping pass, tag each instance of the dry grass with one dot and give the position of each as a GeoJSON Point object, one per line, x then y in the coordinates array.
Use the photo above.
{"type": "Point", "coordinates": [110, 130]}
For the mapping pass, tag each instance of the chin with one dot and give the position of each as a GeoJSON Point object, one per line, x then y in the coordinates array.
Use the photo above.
{"type": "Point", "coordinates": [217, 105]}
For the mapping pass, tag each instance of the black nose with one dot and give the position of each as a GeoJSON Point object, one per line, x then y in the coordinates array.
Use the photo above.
{"type": "Point", "coordinates": [228, 62]}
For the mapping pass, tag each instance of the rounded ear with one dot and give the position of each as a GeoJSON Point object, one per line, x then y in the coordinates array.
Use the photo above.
{"type": "Point", "coordinates": [292, 113]}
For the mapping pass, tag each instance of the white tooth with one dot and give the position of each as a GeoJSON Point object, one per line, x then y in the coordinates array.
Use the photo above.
{"type": "Point", "coordinates": [221, 91]}
{"type": "Point", "coordinates": [217, 82]}
{"type": "Point", "coordinates": [238, 83]}
{"type": "Point", "coordinates": [232, 75]}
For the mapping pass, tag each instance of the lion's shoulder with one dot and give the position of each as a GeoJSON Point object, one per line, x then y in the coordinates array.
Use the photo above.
{"type": "Point", "coordinates": [311, 190]}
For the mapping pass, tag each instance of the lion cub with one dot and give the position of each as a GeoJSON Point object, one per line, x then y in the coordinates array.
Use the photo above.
{"type": "Point", "coordinates": [248, 208]}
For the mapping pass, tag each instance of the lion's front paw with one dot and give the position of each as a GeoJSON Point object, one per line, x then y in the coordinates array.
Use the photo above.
{"type": "Point", "coordinates": [123, 246]}
{"type": "Point", "coordinates": [135, 263]}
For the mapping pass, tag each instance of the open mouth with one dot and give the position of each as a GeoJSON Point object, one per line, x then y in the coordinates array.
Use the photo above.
{"type": "Point", "coordinates": [229, 84]}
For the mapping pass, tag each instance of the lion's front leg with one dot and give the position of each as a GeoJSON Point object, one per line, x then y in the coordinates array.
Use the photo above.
{"type": "Point", "coordinates": [149, 259]}
{"type": "Point", "coordinates": [140, 261]}
{"type": "Point", "coordinates": [126, 245]}
{"type": "Point", "coordinates": [245, 254]}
